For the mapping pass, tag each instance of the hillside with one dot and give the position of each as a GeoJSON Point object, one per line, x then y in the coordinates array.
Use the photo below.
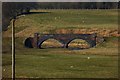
{"type": "Point", "coordinates": [103, 22]}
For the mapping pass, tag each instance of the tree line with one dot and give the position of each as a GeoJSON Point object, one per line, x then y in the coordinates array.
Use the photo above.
{"type": "Point", "coordinates": [13, 9]}
{"type": "Point", "coordinates": [78, 5]}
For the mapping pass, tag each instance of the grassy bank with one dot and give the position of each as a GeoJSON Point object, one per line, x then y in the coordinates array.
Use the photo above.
{"type": "Point", "coordinates": [50, 21]}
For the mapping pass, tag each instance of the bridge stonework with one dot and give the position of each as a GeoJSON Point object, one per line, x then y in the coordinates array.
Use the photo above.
{"type": "Point", "coordinates": [65, 39]}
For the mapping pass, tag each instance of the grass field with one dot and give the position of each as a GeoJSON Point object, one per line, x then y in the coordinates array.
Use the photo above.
{"type": "Point", "coordinates": [49, 21]}
{"type": "Point", "coordinates": [98, 62]}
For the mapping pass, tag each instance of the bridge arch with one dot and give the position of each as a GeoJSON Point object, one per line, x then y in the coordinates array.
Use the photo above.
{"type": "Point", "coordinates": [91, 43]}
{"type": "Point", "coordinates": [78, 43]}
{"type": "Point", "coordinates": [56, 42]}
{"type": "Point", "coordinates": [28, 42]}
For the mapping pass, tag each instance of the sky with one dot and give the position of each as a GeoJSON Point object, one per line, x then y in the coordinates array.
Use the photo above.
{"type": "Point", "coordinates": [59, 0]}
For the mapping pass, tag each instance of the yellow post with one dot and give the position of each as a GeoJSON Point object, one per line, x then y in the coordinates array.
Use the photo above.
{"type": "Point", "coordinates": [13, 49]}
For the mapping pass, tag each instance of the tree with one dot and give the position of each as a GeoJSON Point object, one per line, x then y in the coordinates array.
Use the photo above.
{"type": "Point", "coordinates": [13, 9]}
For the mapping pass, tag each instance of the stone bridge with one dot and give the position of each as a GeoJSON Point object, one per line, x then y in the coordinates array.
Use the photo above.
{"type": "Point", "coordinates": [65, 39]}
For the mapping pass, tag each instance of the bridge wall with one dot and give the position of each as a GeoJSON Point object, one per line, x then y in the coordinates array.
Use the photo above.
{"type": "Point", "coordinates": [65, 39]}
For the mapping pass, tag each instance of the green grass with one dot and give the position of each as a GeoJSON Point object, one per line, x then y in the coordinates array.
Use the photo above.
{"type": "Point", "coordinates": [59, 62]}
{"type": "Point", "coordinates": [63, 63]}
{"type": "Point", "coordinates": [52, 65]}
{"type": "Point", "coordinates": [52, 20]}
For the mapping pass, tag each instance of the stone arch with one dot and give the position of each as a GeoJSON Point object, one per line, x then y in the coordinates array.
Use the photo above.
{"type": "Point", "coordinates": [90, 42]}
{"type": "Point", "coordinates": [42, 41]}
{"type": "Point", "coordinates": [28, 42]}
{"type": "Point", "coordinates": [78, 43]}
